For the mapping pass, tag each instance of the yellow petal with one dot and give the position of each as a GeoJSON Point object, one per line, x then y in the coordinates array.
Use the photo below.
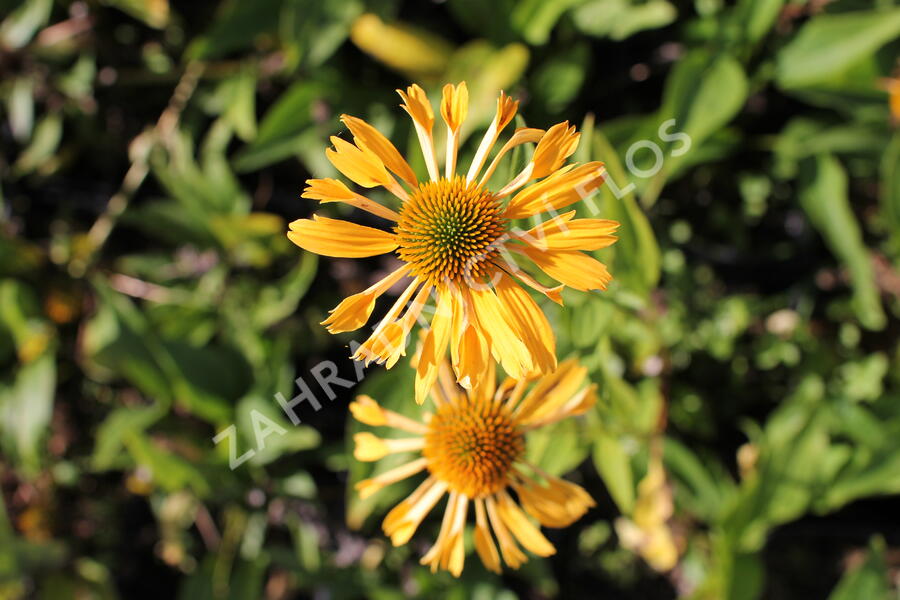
{"type": "Point", "coordinates": [524, 531]}
{"type": "Point", "coordinates": [415, 102]}
{"type": "Point", "coordinates": [369, 447]}
{"type": "Point", "coordinates": [561, 233]}
{"type": "Point", "coordinates": [484, 543]}
{"type": "Point", "coordinates": [434, 347]}
{"type": "Point", "coordinates": [469, 351]}
{"type": "Point", "coordinates": [365, 410]}
{"type": "Point", "coordinates": [333, 237]}
{"type": "Point", "coordinates": [574, 269]}
{"type": "Point", "coordinates": [388, 335]}
{"type": "Point", "coordinates": [559, 143]}
{"type": "Point", "coordinates": [523, 135]}
{"type": "Point", "coordinates": [367, 487]}
{"type": "Point", "coordinates": [552, 391]}
{"type": "Point", "coordinates": [332, 190]}
{"type": "Point", "coordinates": [455, 105]}
{"type": "Point", "coordinates": [354, 311]}
{"type": "Point", "coordinates": [360, 165]}
{"type": "Point", "coordinates": [403, 520]}
{"type": "Point", "coordinates": [512, 555]}
{"type": "Point", "coordinates": [527, 319]}
{"type": "Point", "coordinates": [506, 110]}
{"type": "Point", "coordinates": [367, 136]}
{"type": "Point", "coordinates": [504, 342]}
{"type": "Point", "coordinates": [566, 186]}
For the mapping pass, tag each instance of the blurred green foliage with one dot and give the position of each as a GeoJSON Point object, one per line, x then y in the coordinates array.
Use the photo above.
{"type": "Point", "coordinates": [152, 156]}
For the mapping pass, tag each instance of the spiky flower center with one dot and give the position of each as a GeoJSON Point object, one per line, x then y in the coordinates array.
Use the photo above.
{"type": "Point", "coordinates": [447, 230]}
{"type": "Point", "coordinates": [471, 446]}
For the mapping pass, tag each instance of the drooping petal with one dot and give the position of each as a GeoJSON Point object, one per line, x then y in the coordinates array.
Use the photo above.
{"type": "Point", "coordinates": [332, 190]}
{"type": "Point", "coordinates": [506, 347]}
{"type": "Point", "coordinates": [434, 347]}
{"type": "Point", "coordinates": [354, 311]}
{"type": "Point", "coordinates": [333, 237]}
{"type": "Point", "coordinates": [484, 542]}
{"type": "Point", "coordinates": [524, 531]}
{"type": "Point", "coordinates": [469, 352]}
{"type": "Point", "coordinates": [552, 391]}
{"type": "Point", "coordinates": [529, 321]}
{"type": "Point", "coordinates": [512, 555]}
{"type": "Point", "coordinates": [382, 342]}
{"type": "Point", "coordinates": [402, 521]}
{"type": "Point", "coordinates": [367, 136]}
{"type": "Point", "coordinates": [558, 504]}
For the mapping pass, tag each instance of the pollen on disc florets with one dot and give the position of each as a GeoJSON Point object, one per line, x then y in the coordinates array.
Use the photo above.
{"type": "Point", "coordinates": [447, 230]}
{"type": "Point", "coordinates": [471, 446]}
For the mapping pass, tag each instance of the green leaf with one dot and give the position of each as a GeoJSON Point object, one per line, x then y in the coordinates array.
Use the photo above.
{"type": "Point", "coordinates": [829, 44]}
{"type": "Point", "coordinates": [44, 142]}
{"type": "Point", "coordinates": [25, 411]}
{"type": "Point", "coordinates": [635, 257]}
{"type": "Point", "coordinates": [535, 19]}
{"type": "Point", "coordinates": [890, 187]}
{"type": "Point", "coordinates": [19, 27]}
{"type": "Point", "coordinates": [703, 93]}
{"type": "Point", "coordinates": [869, 580]}
{"type": "Point", "coordinates": [240, 93]}
{"type": "Point", "coordinates": [614, 465]}
{"type": "Point", "coordinates": [823, 195]}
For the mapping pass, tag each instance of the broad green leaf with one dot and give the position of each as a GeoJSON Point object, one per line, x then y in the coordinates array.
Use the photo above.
{"type": "Point", "coordinates": [703, 93]}
{"type": "Point", "coordinates": [614, 465]}
{"type": "Point", "coordinates": [829, 44]}
{"type": "Point", "coordinates": [241, 104]}
{"type": "Point", "coordinates": [823, 195]}
{"type": "Point", "coordinates": [25, 410]}
{"type": "Point", "coordinates": [620, 19]}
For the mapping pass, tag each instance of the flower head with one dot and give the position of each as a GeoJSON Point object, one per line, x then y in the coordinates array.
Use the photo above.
{"type": "Point", "coordinates": [458, 242]}
{"type": "Point", "coordinates": [473, 450]}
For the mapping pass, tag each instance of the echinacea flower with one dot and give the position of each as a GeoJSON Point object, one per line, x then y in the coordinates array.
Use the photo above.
{"type": "Point", "coordinates": [473, 450]}
{"type": "Point", "coordinates": [456, 240]}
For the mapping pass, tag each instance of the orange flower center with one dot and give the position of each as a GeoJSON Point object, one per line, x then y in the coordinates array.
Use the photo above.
{"type": "Point", "coordinates": [471, 446]}
{"type": "Point", "coordinates": [447, 230]}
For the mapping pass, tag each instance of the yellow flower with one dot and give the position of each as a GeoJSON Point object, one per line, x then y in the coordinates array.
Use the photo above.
{"type": "Point", "coordinates": [456, 239]}
{"type": "Point", "coordinates": [473, 450]}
